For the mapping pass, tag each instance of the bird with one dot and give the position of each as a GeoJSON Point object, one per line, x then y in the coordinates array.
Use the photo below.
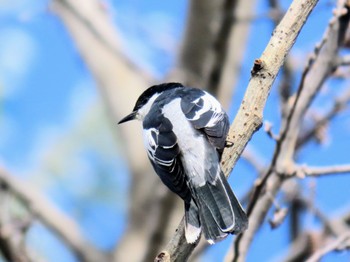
{"type": "Point", "coordinates": [184, 133]}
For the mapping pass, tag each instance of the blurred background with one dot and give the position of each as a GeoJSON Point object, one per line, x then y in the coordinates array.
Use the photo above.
{"type": "Point", "coordinates": [58, 115]}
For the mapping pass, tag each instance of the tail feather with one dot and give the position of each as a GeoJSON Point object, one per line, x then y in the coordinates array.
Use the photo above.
{"type": "Point", "coordinates": [241, 219]}
{"type": "Point", "coordinates": [211, 231]}
{"type": "Point", "coordinates": [215, 201]}
{"type": "Point", "coordinates": [220, 211]}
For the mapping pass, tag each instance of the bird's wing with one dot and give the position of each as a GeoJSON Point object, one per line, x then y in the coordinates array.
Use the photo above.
{"type": "Point", "coordinates": [163, 152]}
{"type": "Point", "coordinates": [220, 211]}
{"type": "Point", "coordinates": [206, 114]}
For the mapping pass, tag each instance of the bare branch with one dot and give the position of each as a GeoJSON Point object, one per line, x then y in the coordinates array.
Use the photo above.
{"type": "Point", "coordinates": [221, 44]}
{"type": "Point", "coordinates": [333, 245]}
{"type": "Point", "coordinates": [250, 155]}
{"type": "Point", "coordinates": [52, 218]}
{"type": "Point", "coordinates": [269, 132]}
{"type": "Point", "coordinates": [249, 116]}
{"type": "Point", "coordinates": [300, 248]}
{"type": "Point", "coordinates": [339, 105]}
{"type": "Point", "coordinates": [322, 171]}
{"type": "Point", "coordinates": [278, 217]}
{"type": "Point", "coordinates": [13, 229]}
{"type": "Point", "coordinates": [344, 60]}
{"type": "Point", "coordinates": [200, 249]}
{"type": "Point", "coordinates": [306, 243]}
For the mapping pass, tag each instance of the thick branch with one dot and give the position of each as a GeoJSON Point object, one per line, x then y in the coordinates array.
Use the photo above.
{"type": "Point", "coordinates": [249, 116]}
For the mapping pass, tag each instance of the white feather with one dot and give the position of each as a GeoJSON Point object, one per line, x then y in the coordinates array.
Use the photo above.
{"type": "Point", "coordinates": [209, 104]}
{"type": "Point", "coordinates": [192, 233]}
{"type": "Point", "coordinates": [149, 142]}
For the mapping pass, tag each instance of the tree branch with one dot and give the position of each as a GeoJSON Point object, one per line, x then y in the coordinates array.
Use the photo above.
{"type": "Point", "coordinates": [53, 218]}
{"type": "Point", "coordinates": [339, 242]}
{"type": "Point", "coordinates": [309, 241]}
{"type": "Point", "coordinates": [250, 156]}
{"type": "Point", "coordinates": [13, 229]}
{"type": "Point", "coordinates": [339, 105]}
{"type": "Point", "coordinates": [249, 116]}
{"type": "Point", "coordinates": [322, 171]}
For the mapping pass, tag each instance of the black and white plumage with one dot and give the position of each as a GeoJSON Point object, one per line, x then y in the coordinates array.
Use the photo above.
{"type": "Point", "coordinates": [184, 131]}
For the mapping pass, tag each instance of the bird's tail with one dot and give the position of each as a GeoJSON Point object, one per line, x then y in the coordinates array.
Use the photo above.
{"type": "Point", "coordinates": [220, 213]}
{"type": "Point", "coordinates": [192, 222]}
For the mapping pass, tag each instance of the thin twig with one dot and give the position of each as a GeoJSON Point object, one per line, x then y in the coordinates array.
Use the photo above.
{"type": "Point", "coordinates": [251, 156]}
{"type": "Point", "coordinates": [309, 241]}
{"type": "Point", "coordinates": [323, 171]}
{"type": "Point", "coordinates": [339, 105]}
{"type": "Point", "coordinates": [269, 132]}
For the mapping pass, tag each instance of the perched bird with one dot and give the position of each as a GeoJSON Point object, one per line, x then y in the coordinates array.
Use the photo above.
{"type": "Point", "coordinates": [184, 132]}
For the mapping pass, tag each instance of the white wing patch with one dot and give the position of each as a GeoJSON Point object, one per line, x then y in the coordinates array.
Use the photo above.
{"type": "Point", "coordinates": [209, 104]}
{"type": "Point", "coordinates": [215, 106]}
{"type": "Point", "coordinates": [217, 116]}
{"type": "Point", "coordinates": [149, 141]}
{"type": "Point", "coordinates": [206, 107]}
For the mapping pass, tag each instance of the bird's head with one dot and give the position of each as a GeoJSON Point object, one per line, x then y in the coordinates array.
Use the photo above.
{"type": "Point", "coordinates": [146, 99]}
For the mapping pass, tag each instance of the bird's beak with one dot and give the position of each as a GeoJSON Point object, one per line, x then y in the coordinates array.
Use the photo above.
{"type": "Point", "coordinates": [129, 117]}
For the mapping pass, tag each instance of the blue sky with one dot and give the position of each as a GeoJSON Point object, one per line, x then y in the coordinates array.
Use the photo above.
{"type": "Point", "coordinates": [54, 130]}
